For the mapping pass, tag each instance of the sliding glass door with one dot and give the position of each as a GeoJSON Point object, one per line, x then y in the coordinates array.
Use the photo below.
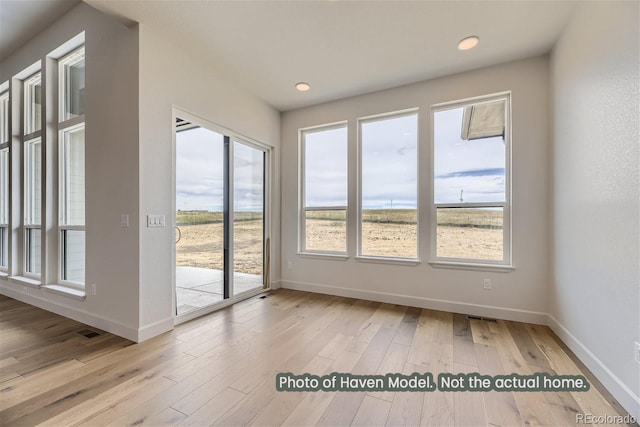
{"type": "Point", "coordinates": [248, 218]}
{"type": "Point", "coordinates": [199, 218]}
{"type": "Point", "coordinates": [220, 218]}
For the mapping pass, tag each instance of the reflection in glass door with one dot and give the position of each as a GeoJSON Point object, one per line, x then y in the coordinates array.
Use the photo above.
{"type": "Point", "coordinates": [248, 218]}
{"type": "Point", "coordinates": [200, 187]}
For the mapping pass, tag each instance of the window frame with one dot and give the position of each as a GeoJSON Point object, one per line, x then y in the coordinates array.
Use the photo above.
{"type": "Point", "coordinates": [303, 209]}
{"type": "Point", "coordinates": [65, 127]}
{"type": "Point", "coordinates": [5, 136]}
{"type": "Point", "coordinates": [69, 59]}
{"type": "Point", "coordinates": [27, 110]}
{"type": "Point", "coordinates": [5, 106]}
{"type": "Point", "coordinates": [507, 259]}
{"type": "Point", "coordinates": [376, 118]}
{"type": "Point", "coordinates": [29, 138]}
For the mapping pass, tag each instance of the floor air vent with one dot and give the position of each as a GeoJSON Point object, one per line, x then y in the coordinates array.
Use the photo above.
{"type": "Point", "coordinates": [486, 319]}
{"type": "Point", "coordinates": [88, 334]}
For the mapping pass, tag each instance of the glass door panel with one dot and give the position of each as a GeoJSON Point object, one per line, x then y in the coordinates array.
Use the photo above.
{"type": "Point", "coordinates": [248, 218]}
{"type": "Point", "coordinates": [200, 183]}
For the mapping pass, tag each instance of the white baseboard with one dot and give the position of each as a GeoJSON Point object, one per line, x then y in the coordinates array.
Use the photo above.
{"type": "Point", "coordinates": [625, 396]}
{"type": "Point", "coordinates": [81, 316]}
{"type": "Point", "coordinates": [430, 303]}
{"type": "Point", "coordinates": [275, 285]}
{"type": "Point", "coordinates": [155, 329]}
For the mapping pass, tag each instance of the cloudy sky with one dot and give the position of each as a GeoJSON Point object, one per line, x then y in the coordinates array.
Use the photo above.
{"type": "Point", "coordinates": [325, 168]}
{"type": "Point", "coordinates": [476, 167]}
{"type": "Point", "coordinates": [389, 167]}
{"type": "Point", "coordinates": [389, 163]}
{"type": "Point", "coordinates": [199, 173]}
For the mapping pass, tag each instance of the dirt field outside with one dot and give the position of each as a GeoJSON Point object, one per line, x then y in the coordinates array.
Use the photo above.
{"type": "Point", "coordinates": [461, 233]}
{"type": "Point", "coordinates": [201, 242]}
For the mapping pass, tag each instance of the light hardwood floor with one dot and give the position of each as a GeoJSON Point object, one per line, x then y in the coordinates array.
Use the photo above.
{"type": "Point", "coordinates": [220, 369]}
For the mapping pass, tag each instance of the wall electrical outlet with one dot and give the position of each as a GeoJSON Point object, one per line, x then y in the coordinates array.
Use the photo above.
{"type": "Point", "coordinates": [124, 220]}
{"type": "Point", "coordinates": [290, 265]}
{"type": "Point", "coordinates": [94, 289]}
{"type": "Point", "coordinates": [637, 351]}
{"type": "Point", "coordinates": [487, 283]}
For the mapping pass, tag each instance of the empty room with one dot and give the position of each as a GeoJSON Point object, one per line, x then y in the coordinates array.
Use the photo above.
{"type": "Point", "coordinates": [322, 212]}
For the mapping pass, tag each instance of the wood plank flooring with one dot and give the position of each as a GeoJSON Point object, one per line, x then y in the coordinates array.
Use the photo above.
{"type": "Point", "coordinates": [220, 369]}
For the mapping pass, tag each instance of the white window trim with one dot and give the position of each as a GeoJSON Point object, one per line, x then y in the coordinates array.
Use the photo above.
{"type": "Point", "coordinates": [66, 291]}
{"type": "Point", "coordinates": [26, 110]}
{"type": "Point", "coordinates": [4, 97]}
{"type": "Point", "coordinates": [27, 221]}
{"type": "Point", "coordinates": [387, 259]}
{"type": "Point", "coordinates": [65, 126]}
{"type": "Point", "coordinates": [25, 281]}
{"type": "Point", "coordinates": [506, 264]}
{"type": "Point", "coordinates": [71, 57]}
{"type": "Point", "coordinates": [25, 256]}
{"type": "Point", "coordinates": [4, 146]}
{"type": "Point", "coordinates": [302, 209]}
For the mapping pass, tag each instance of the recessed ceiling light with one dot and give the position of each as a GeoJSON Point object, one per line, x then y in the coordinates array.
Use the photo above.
{"type": "Point", "coordinates": [468, 43]}
{"type": "Point", "coordinates": [302, 86]}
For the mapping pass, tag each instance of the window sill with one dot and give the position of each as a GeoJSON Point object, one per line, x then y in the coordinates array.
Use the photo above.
{"type": "Point", "coordinates": [385, 260]}
{"type": "Point", "coordinates": [25, 281]}
{"type": "Point", "coordinates": [66, 291]}
{"type": "Point", "coordinates": [319, 255]}
{"type": "Point", "coordinates": [4, 275]}
{"type": "Point", "coordinates": [472, 266]}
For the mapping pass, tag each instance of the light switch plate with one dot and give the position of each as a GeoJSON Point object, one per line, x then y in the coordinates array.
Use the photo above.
{"type": "Point", "coordinates": [155, 220]}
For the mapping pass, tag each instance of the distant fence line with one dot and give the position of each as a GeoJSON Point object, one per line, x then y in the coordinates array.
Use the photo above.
{"type": "Point", "coordinates": [460, 219]}
{"type": "Point", "coordinates": [184, 218]}
{"type": "Point", "coordinates": [485, 226]}
{"type": "Point", "coordinates": [215, 221]}
{"type": "Point", "coordinates": [441, 224]}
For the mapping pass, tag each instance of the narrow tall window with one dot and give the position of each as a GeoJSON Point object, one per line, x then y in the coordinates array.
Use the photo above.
{"type": "Point", "coordinates": [389, 186]}
{"type": "Point", "coordinates": [471, 181]}
{"type": "Point", "coordinates": [32, 105]}
{"type": "Point", "coordinates": [323, 220]}
{"type": "Point", "coordinates": [71, 170]}
{"type": "Point", "coordinates": [32, 174]}
{"type": "Point", "coordinates": [4, 181]}
{"type": "Point", "coordinates": [4, 118]}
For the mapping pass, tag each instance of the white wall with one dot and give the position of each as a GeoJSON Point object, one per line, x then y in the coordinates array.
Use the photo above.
{"type": "Point", "coordinates": [135, 76]}
{"type": "Point", "coordinates": [594, 297]}
{"type": "Point", "coordinates": [520, 294]}
{"type": "Point", "coordinates": [176, 75]}
{"type": "Point", "coordinates": [111, 170]}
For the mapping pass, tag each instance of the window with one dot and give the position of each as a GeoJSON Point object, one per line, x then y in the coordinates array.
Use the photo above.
{"type": "Point", "coordinates": [32, 175]}
{"type": "Point", "coordinates": [71, 168]}
{"type": "Point", "coordinates": [4, 208]}
{"type": "Point", "coordinates": [33, 205]}
{"type": "Point", "coordinates": [323, 216]}
{"type": "Point", "coordinates": [4, 181]}
{"type": "Point", "coordinates": [471, 187]}
{"type": "Point", "coordinates": [32, 104]}
{"type": "Point", "coordinates": [71, 89]}
{"type": "Point", "coordinates": [4, 118]}
{"type": "Point", "coordinates": [388, 217]}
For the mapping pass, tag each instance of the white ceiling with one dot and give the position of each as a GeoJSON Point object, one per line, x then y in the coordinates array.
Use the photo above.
{"type": "Point", "coordinates": [21, 20]}
{"type": "Point", "coordinates": [345, 48]}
